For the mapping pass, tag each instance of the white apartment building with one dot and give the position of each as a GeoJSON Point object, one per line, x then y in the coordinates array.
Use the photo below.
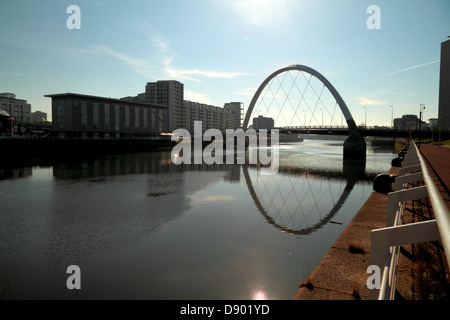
{"type": "Point", "coordinates": [237, 111]}
{"type": "Point", "coordinates": [38, 116]}
{"type": "Point", "coordinates": [168, 93]}
{"type": "Point", "coordinates": [183, 113]}
{"type": "Point", "coordinates": [212, 117]}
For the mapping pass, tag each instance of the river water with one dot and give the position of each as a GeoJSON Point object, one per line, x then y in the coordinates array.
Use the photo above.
{"type": "Point", "coordinates": [140, 227]}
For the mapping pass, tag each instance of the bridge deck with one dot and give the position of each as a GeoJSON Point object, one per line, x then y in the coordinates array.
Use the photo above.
{"type": "Point", "coordinates": [369, 132]}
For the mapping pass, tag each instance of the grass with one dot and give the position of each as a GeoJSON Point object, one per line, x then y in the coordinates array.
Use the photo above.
{"type": "Point", "coordinates": [400, 144]}
{"type": "Point", "coordinates": [431, 282]}
{"type": "Point", "coordinates": [443, 143]}
{"type": "Point", "coordinates": [355, 292]}
{"type": "Point", "coordinates": [434, 143]}
{"type": "Point", "coordinates": [307, 283]}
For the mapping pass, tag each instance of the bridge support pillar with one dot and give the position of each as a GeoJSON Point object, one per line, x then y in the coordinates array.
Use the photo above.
{"type": "Point", "coordinates": [355, 145]}
{"type": "Point", "coordinates": [355, 149]}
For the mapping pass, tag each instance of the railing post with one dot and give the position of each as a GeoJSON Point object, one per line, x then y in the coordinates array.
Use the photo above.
{"type": "Point", "coordinates": [394, 198]}
{"type": "Point", "coordinates": [400, 181]}
{"type": "Point", "coordinates": [385, 241]}
{"type": "Point", "coordinates": [409, 169]}
{"type": "Point", "coordinates": [382, 240]}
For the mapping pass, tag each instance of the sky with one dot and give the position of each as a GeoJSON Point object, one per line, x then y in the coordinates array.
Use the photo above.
{"type": "Point", "coordinates": [222, 50]}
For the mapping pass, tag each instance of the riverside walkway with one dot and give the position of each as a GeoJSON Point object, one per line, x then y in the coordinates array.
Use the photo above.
{"type": "Point", "coordinates": [422, 271]}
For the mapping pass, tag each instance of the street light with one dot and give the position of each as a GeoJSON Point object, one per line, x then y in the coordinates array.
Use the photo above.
{"type": "Point", "coordinates": [365, 117]}
{"type": "Point", "coordinates": [422, 107]}
{"type": "Point", "coordinates": [304, 112]}
{"type": "Point", "coordinates": [392, 116]}
{"type": "Point", "coordinates": [322, 117]}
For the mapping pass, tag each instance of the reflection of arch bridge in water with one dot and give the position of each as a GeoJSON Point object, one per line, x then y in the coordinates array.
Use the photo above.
{"type": "Point", "coordinates": [277, 208]}
{"type": "Point", "coordinates": [313, 207]}
{"type": "Point", "coordinates": [288, 92]}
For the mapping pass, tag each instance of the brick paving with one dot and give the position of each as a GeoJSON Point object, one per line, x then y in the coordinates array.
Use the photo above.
{"type": "Point", "coordinates": [438, 159]}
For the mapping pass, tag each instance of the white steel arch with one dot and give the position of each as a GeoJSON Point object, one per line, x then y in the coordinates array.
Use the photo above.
{"type": "Point", "coordinates": [353, 130]}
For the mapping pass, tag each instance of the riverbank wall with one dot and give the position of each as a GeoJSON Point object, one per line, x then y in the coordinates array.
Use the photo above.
{"type": "Point", "coordinates": [341, 274]}
{"type": "Point", "coordinates": [20, 152]}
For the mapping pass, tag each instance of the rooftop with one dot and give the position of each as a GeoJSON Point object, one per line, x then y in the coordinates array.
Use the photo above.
{"type": "Point", "coordinates": [115, 100]}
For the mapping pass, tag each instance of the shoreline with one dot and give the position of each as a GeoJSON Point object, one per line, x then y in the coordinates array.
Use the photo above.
{"type": "Point", "coordinates": [341, 274]}
{"type": "Point", "coordinates": [30, 152]}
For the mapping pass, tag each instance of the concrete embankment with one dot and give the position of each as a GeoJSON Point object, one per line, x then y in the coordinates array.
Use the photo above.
{"type": "Point", "coordinates": [341, 274]}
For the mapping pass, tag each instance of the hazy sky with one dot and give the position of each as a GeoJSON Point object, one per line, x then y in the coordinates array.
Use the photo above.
{"type": "Point", "coordinates": [222, 50]}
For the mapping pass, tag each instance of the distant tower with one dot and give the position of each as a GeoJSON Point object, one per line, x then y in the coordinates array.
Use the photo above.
{"type": "Point", "coordinates": [169, 93]}
{"type": "Point", "coordinates": [237, 109]}
{"type": "Point", "coordinates": [444, 86]}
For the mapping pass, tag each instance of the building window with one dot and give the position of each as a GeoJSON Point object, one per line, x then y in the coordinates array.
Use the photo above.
{"type": "Point", "coordinates": [137, 111]}
{"type": "Point", "coordinates": [106, 109]}
{"type": "Point", "coordinates": [145, 119]}
{"type": "Point", "coordinates": [95, 115]}
{"type": "Point", "coordinates": [117, 117]}
{"type": "Point", "coordinates": [61, 115]}
{"type": "Point", "coordinates": [160, 121]}
{"type": "Point", "coordinates": [153, 120]}
{"type": "Point", "coordinates": [127, 118]}
{"type": "Point", "coordinates": [83, 115]}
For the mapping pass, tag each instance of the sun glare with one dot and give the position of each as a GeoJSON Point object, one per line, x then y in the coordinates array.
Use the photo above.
{"type": "Point", "coordinates": [259, 295]}
{"type": "Point", "coordinates": [263, 12]}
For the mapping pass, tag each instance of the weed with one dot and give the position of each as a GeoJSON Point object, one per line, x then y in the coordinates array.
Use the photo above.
{"type": "Point", "coordinates": [308, 284]}
{"type": "Point", "coordinates": [355, 249]}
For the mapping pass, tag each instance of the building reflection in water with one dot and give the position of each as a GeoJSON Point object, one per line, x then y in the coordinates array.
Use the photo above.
{"type": "Point", "coordinates": [296, 200]}
{"type": "Point", "coordinates": [87, 199]}
{"type": "Point", "coordinates": [15, 173]}
{"type": "Point", "coordinates": [140, 163]}
{"type": "Point", "coordinates": [100, 212]}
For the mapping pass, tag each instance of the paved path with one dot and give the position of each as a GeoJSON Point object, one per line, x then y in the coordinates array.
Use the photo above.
{"type": "Point", "coordinates": [438, 159]}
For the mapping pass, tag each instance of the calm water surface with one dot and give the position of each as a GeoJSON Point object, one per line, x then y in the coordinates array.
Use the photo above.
{"type": "Point", "coordinates": [140, 227]}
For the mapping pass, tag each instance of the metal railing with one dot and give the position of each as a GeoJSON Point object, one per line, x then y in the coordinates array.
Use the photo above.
{"type": "Point", "coordinates": [386, 241]}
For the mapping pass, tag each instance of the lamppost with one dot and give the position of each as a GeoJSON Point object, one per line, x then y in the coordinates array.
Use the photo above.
{"type": "Point", "coordinates": [422, 107]}
{"type": "Point", "coordinates": [392, 116]}
{"type": "Point", "coordinates": [304, 113]}
{"type": "Point", "coordinates": [365, 117]}
{"type": "Point", "coordinates": [322, 117]}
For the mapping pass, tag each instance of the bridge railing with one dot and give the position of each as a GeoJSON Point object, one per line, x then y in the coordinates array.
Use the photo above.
{"type": "Point", "coordinates": [387, 241]}
{"type": "Point", "coordinates": [315, 127]}
{"type": "Point", "coordinates": [344, 127]}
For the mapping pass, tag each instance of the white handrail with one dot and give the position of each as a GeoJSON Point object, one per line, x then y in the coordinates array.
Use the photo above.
{"type": "Point", "coordinates": [440, 209]}
{"type": "Point", "coordinates": [386, 241]}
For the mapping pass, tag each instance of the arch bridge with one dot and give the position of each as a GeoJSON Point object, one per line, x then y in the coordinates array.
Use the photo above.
{"type": "Point", "coordinates": [289, 86]}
